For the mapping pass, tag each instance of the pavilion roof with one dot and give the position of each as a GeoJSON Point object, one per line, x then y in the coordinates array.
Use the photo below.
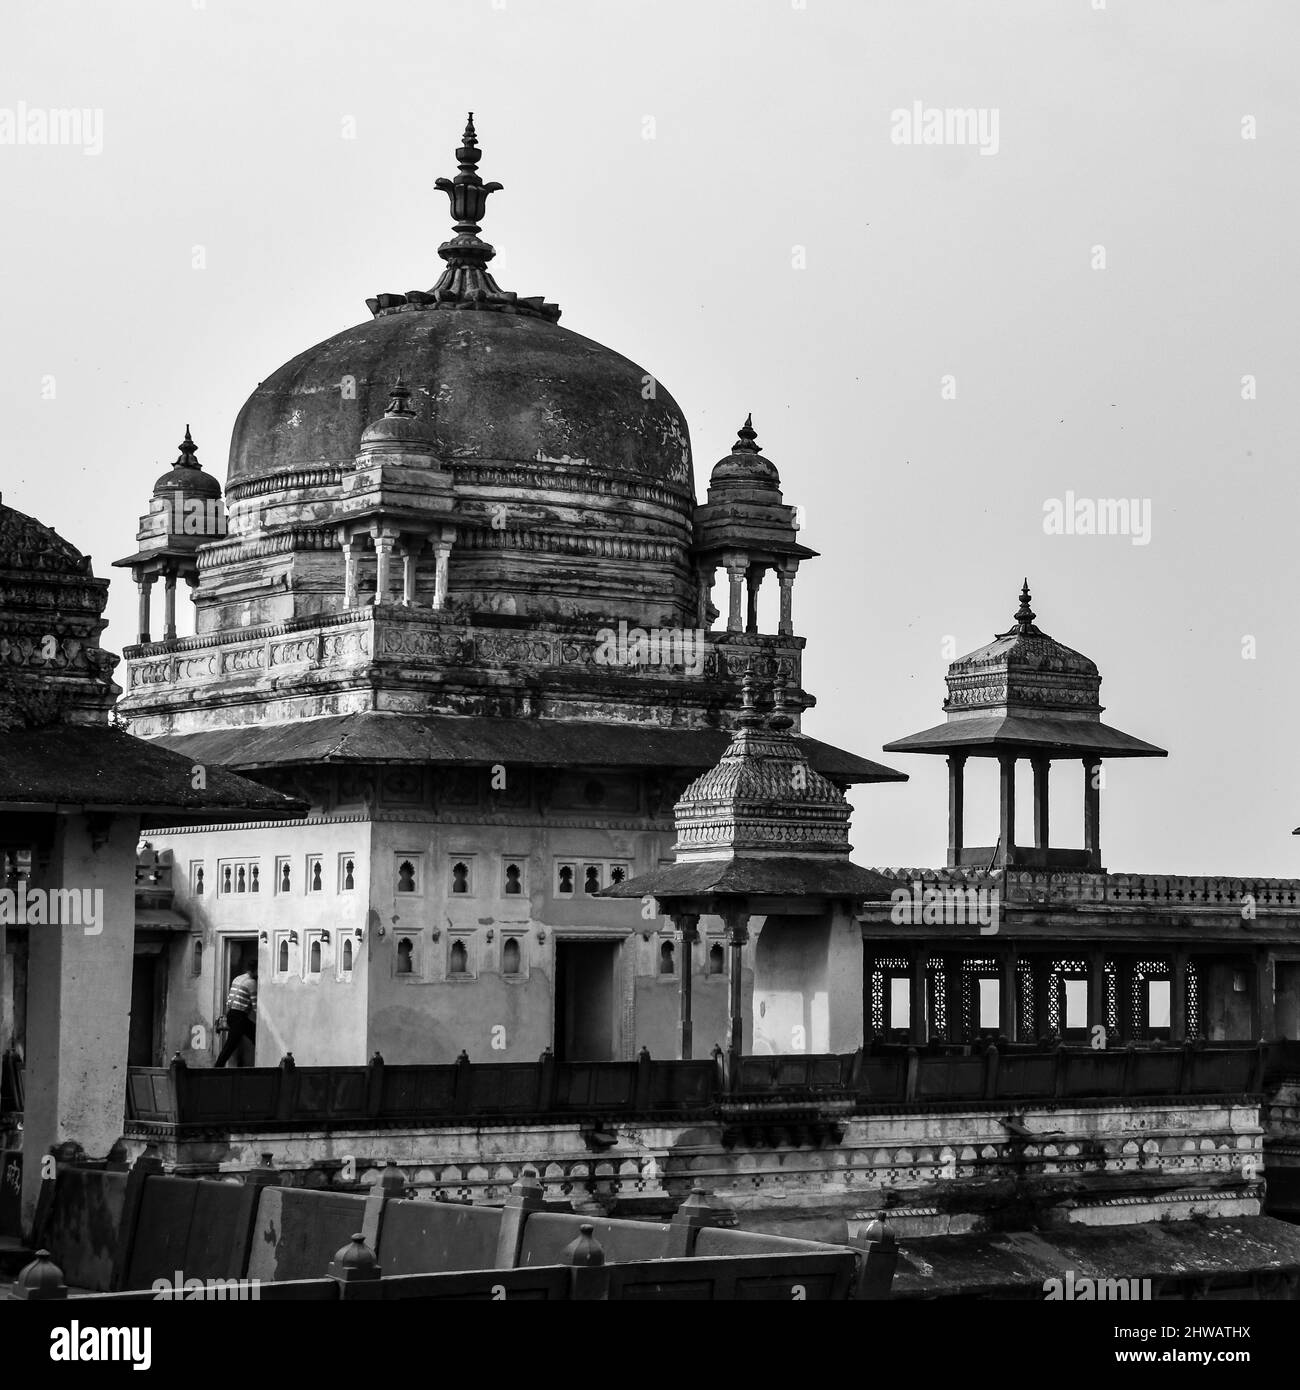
{"type": "Point", "coordinates": [988, 734]}
{"type": "Point", "coordinates": [751, 876]}
{"type": "Point", "coordinates": [374, 737]}
{"type": "Point", "coordinates": [101, 768]}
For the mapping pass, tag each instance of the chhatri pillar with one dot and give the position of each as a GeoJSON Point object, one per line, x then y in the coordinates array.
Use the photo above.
{"type": "Point", "coordinates": [688, 933]}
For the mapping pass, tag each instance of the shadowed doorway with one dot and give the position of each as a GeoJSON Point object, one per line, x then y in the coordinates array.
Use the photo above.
{"type": "Point", "coordinates": [585, 998]}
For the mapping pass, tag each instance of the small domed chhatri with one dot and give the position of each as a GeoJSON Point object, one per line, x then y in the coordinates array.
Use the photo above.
{"type": "Point", "coordinates": [399, 428]}
{"type": "Point", "coordinates": [745, 529]}
{"type": "Point", "coordinates": [1024, 695]}
{"type": "Point", "coordinates": [186, 475]}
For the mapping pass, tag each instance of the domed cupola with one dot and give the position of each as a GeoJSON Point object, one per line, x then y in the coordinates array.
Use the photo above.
{"type": "Point", "coordinates": [745, 471]}
{"type": "Point", "coordinates": [399, 429]}
{"type": "Point", "coordinates": [762, 795]}
{"type": "Point", "coordinates": [186, 475]}
{"type": "Point", "coordinates": [746, 529]}
{"type": "Point", "coordinates": [571, 465]}
{"type": "Point", "coordinates": [1024, 696]}
{"type": "Point", "coordinates": [398, 497]}
{"type": "Point", "coordinates": [186, 510]}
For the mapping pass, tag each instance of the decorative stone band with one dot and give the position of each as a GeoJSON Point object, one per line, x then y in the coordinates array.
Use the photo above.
{"type": "Point", "coordinates": [825, 835]}
{"type": "Point", "coordinates": [470, 288]}
{"type": "Point", "coordinates": [978, 692]}
{"type": "Point", "coordinates": [231, 552]}
{"type": "Point", "coordinates": [57, 593]}
{"type": "Point", "coordinates": [1163, 890]}
{"type": "Point", "coordinates": [554, 477]}
{"type": "Point", "coordinates": [327, 475]}
{"type": "Point", "coordinates": [571, 543]}
{"type": "Point", "coordinates": [423, 635]}
{"type": "Point", "coordinates": [33, 652]}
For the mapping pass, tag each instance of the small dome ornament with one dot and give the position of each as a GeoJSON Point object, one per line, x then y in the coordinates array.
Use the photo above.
{"type": "Point", "coordinates": [186, 474]}
{"type": "Point", "coordinates": [746, 438]}
{"type": "Point", "coordinates": [40, 1280]}
{"type": "Point", "coordinates": [745, 467]}
{"type": "Point", "coordinates": [1024, 614]}
{"type": "Point", "coordinates": [355, 1262]}
{"type": "Point", "coordinates": [399, 428]}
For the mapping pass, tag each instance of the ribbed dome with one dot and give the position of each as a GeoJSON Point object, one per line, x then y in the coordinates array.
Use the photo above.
{"type": "Point", "coordinates": [489, 387]}
{"type": "Point", "coordinates": [763, 795]}
{"type": "Point", "coordinates": [1023, 666]}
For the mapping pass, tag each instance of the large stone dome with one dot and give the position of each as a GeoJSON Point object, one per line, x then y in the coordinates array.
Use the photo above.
{"type": "Point", "coordinates": [491, 387]}
{"type": "Point", "coordinates": [568, 467]}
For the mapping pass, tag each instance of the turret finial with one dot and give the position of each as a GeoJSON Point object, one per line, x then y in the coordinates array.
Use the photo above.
{"type": "Point", "coordinates": [399, 398]}
{"type": "Point", "coordinates": [746, 438]}
{"type": "Point", "coordinates": [779, 719]}
{"type": "Point", "coordinates": [466, 282]}
{"type": "Point", "coordinates": [188, 450]}
{"type": "Point", "coordinates": [1024, 614]}
{"type": "Point", "coordinates": [750, 716]}
{"type": "Point", "coordinates": [469, 195]}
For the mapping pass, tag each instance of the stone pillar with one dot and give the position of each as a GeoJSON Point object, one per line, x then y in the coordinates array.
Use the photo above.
{"type": "Point", "coordinates": [350, 548]}
{"type": "Point", "coordinates": [1006, 808]}
{"type": "Point", "coordinates": [383, 556]}
{"type": "Point", "coordinates": [79, 996]}
{"type": "Point", "coordinates": [169, 606]}
{"type": "Point", "coordinates": [1178, 997]}
{"type": "Point", "coordinates": [754, 582]}
{"type": "Point", "coordinates": [687, 924]}
{"type": "Point", "coordinates": [144, 582]}
{"type": "Point", "coordinates": [917, 1022]}
{"type": "Point", "coordinates": [785, 578]}
{"type": "Point", "coordinates": [736, 918]}
{"type": "Point", "coordinates": [1042, 767]}
{"type": "Point", "coordinates": [409, 551]}
{"type": "Point", "coordinates": [1262, 1003]}
{"type": "Point", "coordinates": [1092, 812]}
{"type": "Point", "coordinates": [736, 578]}
{"type": "Point", "coordinates": [868, 973]}
{"type": "Point", "coordinates": [956, 807]}
{"type": "Point", "coordinates": [1096, 990]}
{"type": "Point", "coordinates": [1009, 995]}
{"type": "Point", "coordinates": [442, 559]}
{"type": "Point", "coordinates": [705, 574]}
{"type": "Point", "coordinates": [1124, 996]}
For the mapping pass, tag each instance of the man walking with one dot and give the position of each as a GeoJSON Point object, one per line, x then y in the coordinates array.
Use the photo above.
{"type": "Point", "coordinates": [240, 1003]}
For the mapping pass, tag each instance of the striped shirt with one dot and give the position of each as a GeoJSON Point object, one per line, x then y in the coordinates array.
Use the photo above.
{"type": "Point", "coordinates": [243, 994]}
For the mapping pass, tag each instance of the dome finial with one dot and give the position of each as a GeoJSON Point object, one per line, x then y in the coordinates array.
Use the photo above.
{"type": "Point", "coordinates": [466, 282]}
{"type": "Point", "coordinates": [746, 438]}
{"type": "Point", "coordinates": [399, 398]}
{"type": "Point", "coordinates": [188, 450]}
{"type": "Point", "coordinates": [1024, 614]}
{"type": "Point", "coordinates": [469, 195]}
{"type": "Point", "coordinates": [779, 719]}
{"type": "Point", "coordinates": [749, 717]}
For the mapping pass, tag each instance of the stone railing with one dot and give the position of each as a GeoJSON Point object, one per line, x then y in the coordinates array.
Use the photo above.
{"type": "Point", "coordinates": [794, 1089]}
{"type": "Point", "coordinates": [1039, 886]}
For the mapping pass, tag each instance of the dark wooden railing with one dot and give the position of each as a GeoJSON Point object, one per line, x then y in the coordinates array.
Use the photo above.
{"type": "Point", "coordinates": [185, 1099]}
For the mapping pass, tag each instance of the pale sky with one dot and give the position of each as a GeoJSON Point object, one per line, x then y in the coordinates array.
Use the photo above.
{"type": "Point", "coordinates": [223, 127]}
